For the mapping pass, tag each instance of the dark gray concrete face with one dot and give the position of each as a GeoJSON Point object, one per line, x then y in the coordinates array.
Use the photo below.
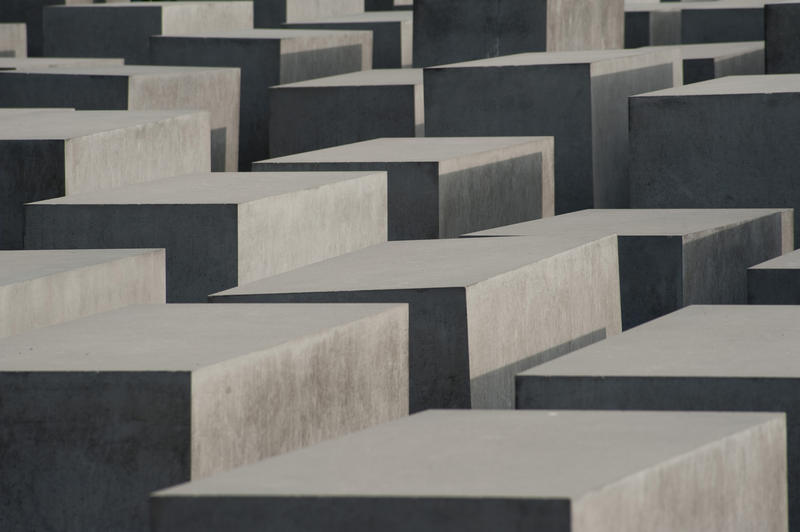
{"type": "Point", "coordinates": [775, 282]}
{"type": "Point", "coordinates": [781, 37]}
{"type": "Point", "coordinates": [715, 358]}
{"type": "Point", "coordinates": [387, 5]}
{"type": "Point", "coordinates": [715, 144]}
{"type": "Point", "coordinates": [13, 40]}
{"type": "Point", "coordinates": [646, 25]}
{"type": "Point", "coordinates": [444, 187]}
{"type": "Point", "coordinates": [94, 418]}
{"type": "Point", "coordinates": [544, 471]}
{"type": "Point", "coordinates": [273, 13]}
{"type": "Point", "coordinates": [702, 62]}
{"type": "Point", "coordinates": [722, 21]}
{"type": "Point", "coordinates": [266, 58]}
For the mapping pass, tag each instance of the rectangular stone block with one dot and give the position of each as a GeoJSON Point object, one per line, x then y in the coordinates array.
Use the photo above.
{"type": "Point", "coordinates": [580, 98]}
{"type": "Point", "coordinates": [136, 88]}
{"type": "Point", "coordinates": [23, 63]}
{"type": "Point", "coordinates": [702, 62]}
{"type": "Point", "coordinates": [480, 308]}
{"type": "Point", "coordinates": [444, 187]}
{"type": "Point", "coordinates": [448, 31]}
{"type": "Point", "coordinates": [97, 413]}
{"type": "Point", "coordinates": [273, 13]}
{"type": "Point", "coordinates": [221, 230]}
{"type": "Point", "coordinates": [326, 112]}
{"type": "Point", "coordinates": [13, 40]}
{"type": "Point", "coordinates": [124, 30]}
{"type": "Point", "coordinates": [508, 471]}
{"type": "Point", "coordinates": [775, 282]}
{"type": "Point", "coordinates": [266, 58]}
{"type": "Point", "coordinates": [710, 358]}
{"type": "Point", "coordinates": [49, 154]}
{"type": "Point", "coordinates": [782, 40]}
{"type": "Point", "coordinates": [727, 142]}
{"type": "Point", "coordinates": [40, 288]}
{"type": "Point", "coordinates": [652, 24]}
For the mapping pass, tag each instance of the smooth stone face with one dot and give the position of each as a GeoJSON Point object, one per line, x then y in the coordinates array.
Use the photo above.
{"type": "Point", "coordinates": [781, 38]}
{"type": "Point", "coordinates": [775, 282]}
{"type": "Point", "coordinates": [13, 40]}
{"type": "Point", "coordinates": [545, 471]}
{"type": "Point", "coordinates": [273, 13]}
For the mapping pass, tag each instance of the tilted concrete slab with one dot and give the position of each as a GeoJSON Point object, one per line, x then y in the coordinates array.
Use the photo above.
{"type": "Point", "coordinates": [326, 112]}
{"type": "Point", "coordinates": [775, 282]}
{"type": "Point", "coordinates": [266, 58]}
{"type": "Point", "coordinates": [41, 287]}
{"type": "Point", "coordinates": [22, 63]}
{"type": "Point", "coordinates": [781, 19]}
{"type": "Point", "coordinates": [48, 154]}
{"type": "Point", "coordinates": [273, 13]}
{"type": "Point", "coordinates": [580, 98]}
{"type": "Point", "coordinates": [702, 62]}
{"type": "Point", "coordinates": [711, 358]}
{"type": "Point", "coordinates": [508, 471]}
{"type": "Point", "coordinates": [222, 229]}
{"type": "Point", "coordinates": [444, 187]}
{"type": "Point", "coordinates": [13, 40]}
{"type": "Point", "coordinates": [99, 412]}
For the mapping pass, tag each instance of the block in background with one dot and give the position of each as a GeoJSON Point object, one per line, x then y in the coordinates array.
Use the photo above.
{"type": "Point", "coordinates": [652, 24]}
{"type": "Point", "coordinates": [781, 19]}
{"type": "Point", "coordinates": [273, 13]}
{"type": "Point", "coordinates": [22, 63]}
{"type": "Point", "coordinates": [13, 40]}
{"type": "Point", "coordinates": [99, 412]}
{"type": "Point", "coordinates": [775, 282]}
{"type": "Point", "coordinates": [387, 5]}
{"type": "Point", "coordinates": [702, 62]}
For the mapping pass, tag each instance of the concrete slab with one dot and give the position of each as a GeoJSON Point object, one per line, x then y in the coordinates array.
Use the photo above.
{"type": "Point", "coordinates": [702, 62]}
{"type": "Point", "coordinates": [545, 471]}
{"type": "Point", "coordinates": [136, 88]}
{"type": "Point", "coordinates": [40, 288]}
{"type": "Point", "coordinates": [266, 58]}
{"type": "Point", "coordinates": [775, 282]}
{"type": "Point", "coordinates": [580, 98]}
{"type": "Point", "coordinates": [273, 13]}
{"type": "Point", "coordinates": [48, 154]}
{"type": "Point", "coordinates": [480, 309]}
{"type": "Point", "coordinates": [326, 112]}
{"type": "Point", "coordinates": [672, 258]}
{"type": "Point", "coordinates": [99, 412]}
{"type": "Point", "coordinates": [721, 143]}
{"type": "Point", "coordinates": [13, 40]}
{"type": "Point", "coordinates": [444, 187]}
{"type": "Point", "coordinates": [711, 358]}
{"type": "Point", "coordinates": [124, 30]}
{"type": "Point", "coordinates": [222, 229]}
{"type": "Point", "coordinates": [23, 63]}
{"type": "Point", "coordinates": [447, 31]}
{"type": "Point", "coordinates": [386, 5]}
{"type": "Point", "coordinates": [782, 41]}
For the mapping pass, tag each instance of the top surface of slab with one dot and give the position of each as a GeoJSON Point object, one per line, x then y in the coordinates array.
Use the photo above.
{"type": "Point", "coordinates": [363, 78]}
{"type": "Point", "coordinates": [486, 454]}
{"type": "Point", "coordinates": [744, 341]}
{"type": "Point", "coordinates": [257, 33]}
{"type": "Point", "coordinates": [548, 58]}
{"type": "Point", "coordinates": [8, 112]}
{"type": "Point", "coordinates": [759, 84]}
{"type": "Point", "coordinates": [789, 261]}
{"type": "Point", "coordinates": [90, 69]}
{"type": "Point", "coordinates": [171, 337]}
{"type": "Point", "coordinates": [178, 3]}
{"type": "Point", "coordinates": [712, 50]}
{"type": "Point", "coordinates": [689, 5]}
{"type": "Point", "coordinates": [38, 62]}
{"type": "Point", "coordinates": [366, 17]}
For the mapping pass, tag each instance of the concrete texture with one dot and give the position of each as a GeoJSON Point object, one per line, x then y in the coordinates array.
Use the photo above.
{"type": "Point", "coordinates": [672, 258]}
{"type": "Point", "coordinates": [444, 187]}
{"type": "Point", "coordinates": [775, 282]}
{"type": "Point", "coordinates": [97, 413]}
{"type": "Point", "coordinates": [480, 309]}
{"type": "Point", "coordinates": [325, 112]}
{"type": "Point", "coordinates": [715, 358]}
{"type": "Point", "coordinates": [781, 19]}
{"type": "Point", "coordinates": [386, 5]}
{"type": "Point", "coordinates": [726, 143]}
{"type": "Point", "coordinates": [48, 154]}
{"type": "Point", "coordinates": [508, 471]}
{"type": "Point", "coordinates": [41, 288]}
{"type": "Point", "coordinates": [652, 24]}
{"type": "Point", "coordinates": [273, 13]}
{"type": "Point", "coordinates": [702, 62]}
{"type": "Point", "coordinates": [266, 58]}
{"type": "Point", "coordinates": [124, 30]}
{"type": "Point", "coordinates": [13, 40]}
{"type": "Point", "coordinates": [580, 98]}
{"type": "Point", "coordinates": [221, 230]}
{"type": "Point", "coordinates": [23, 63]}
{"type": "Point", "coordinates": [447, 31]}
{"type": "Point", "coordinates": [136, 88]}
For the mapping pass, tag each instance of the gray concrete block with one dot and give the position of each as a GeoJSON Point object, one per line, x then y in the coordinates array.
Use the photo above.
{"type": "Point", "coordinates": [386, 5]}
{"type": "Point", "coordinates": [24, 63]}
{"type": "Point", "coordinates": [13, 40]}
{"type": "Point", "coordinates": [447, 31]}
{"type": "Point", "coordinates": [702, 62]}
{"type": "Point", "coordinates": [273, 13]}
{"type": "Point", "coordinates": [136, 88]}
{"type": "Point", "coordinates": [781, 36]}
{"type": "Point", "coordinates": [480, 308]}
{"type": "Point", "coordinates": [337, 110]}
{"type": "Point", "coordinates": [97, 413]}
{"type": "Point", "coordinates": [580, 98]}
{"type": "Point", "coordinates": [40, 288]}
{"type": "Point", "coordinates": [775, 282]}
{"type": "Point", "coordinates": [651, 24]}
{"type": "Point", "coordinates": [266, 58]}
{"type": "Point", "coordinates": [221, 230]}
{"type": "Point", "coordinates": [124, 30]}
{"type": "Point", "coordinates": [721, 143]}
{"type": "Point", "coordinates": [714, 358]}
{"type": "Point", "coordinates": [672, 258]}
{"type": "Point", "coordinates": [444, 187]}
{"type": "Point", "coordinates": [508, 471]}
{"type": "Point", "coordinates": [51, 154]}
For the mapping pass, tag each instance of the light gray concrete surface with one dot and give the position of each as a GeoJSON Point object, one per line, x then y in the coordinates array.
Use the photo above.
{"type": "Point", "coordinates": [781, 19]}
{"type": "Point", "coordinates": [508, 471]}
{"type": "Point", "coordinates": [13, 40]}
{"type": "Point", "coordinates": [444, 187]}
{"type": "Point", "coordinates": [97, 413]}
{"type": "Point", "coordinates": [22, 63]}
{"type": "Point", "coordinates": [124, 30]}
{"type": "Point", "coordinates": [580, 98]}
{"type": "Point", "coordinates": [702, 62]}
{"type": "Point", "coordinates": [481, 309]}
{"type": "Point", "coordinates": [222, 229]}
{"type": "Point", "coordinates": [273, 13]}
{"type": "Point", "coordinates": [775, 282]}
{"type": "Point", "coordinates": [710, 358]}
{"type": "Point", "coordinates": [136, 88]}
{"type": "Point", "coordinates": [672, 258]}
{"type": "Point", "coordinates": [725, 143]}
{"type": "Point", "coordinates": [326, 112]}
{"type": "Point", "coordinates": [48, 154]}
{"type": "Point", "coordinates": [447, 31]}
{"type": "Point", "coordinates": [40, 288]}
{"type": "Point", "coordinates": [266, 58]}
